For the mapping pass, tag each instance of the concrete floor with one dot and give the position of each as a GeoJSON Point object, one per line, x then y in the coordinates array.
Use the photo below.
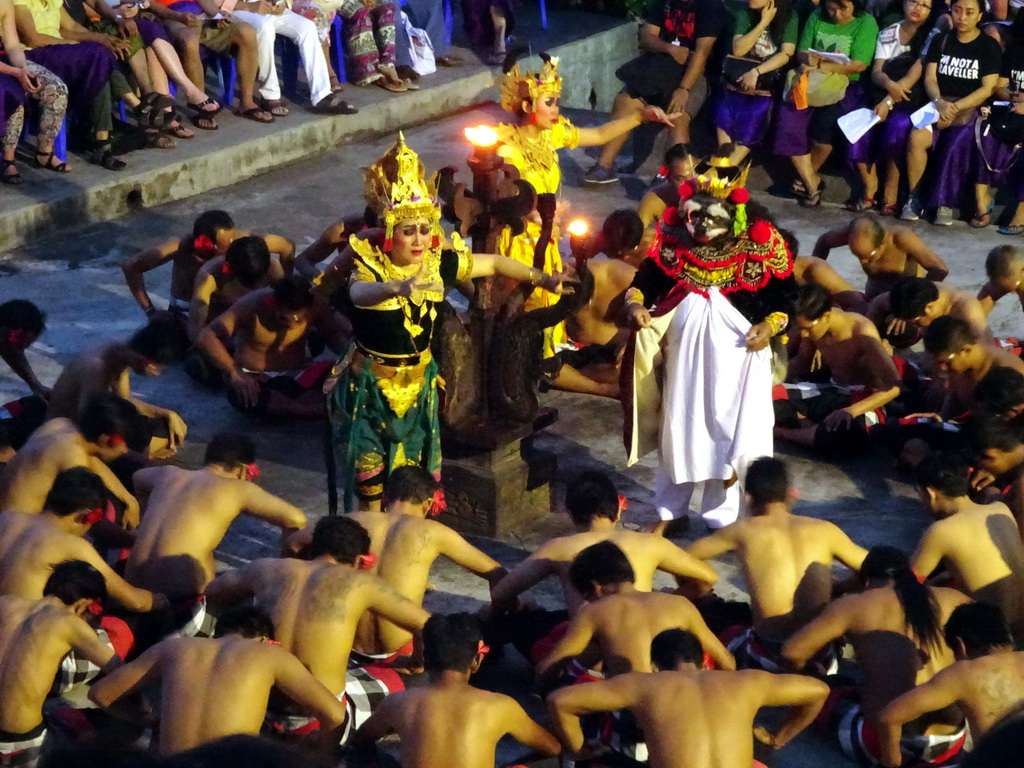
{"type": "Point", "coordinates": [76, 280]}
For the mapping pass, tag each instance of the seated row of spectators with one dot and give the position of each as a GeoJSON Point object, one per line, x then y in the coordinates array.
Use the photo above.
{"type": "Point", "coordinates": [787, 77]}
{"type": "Point", "coordinates": [79, 58]}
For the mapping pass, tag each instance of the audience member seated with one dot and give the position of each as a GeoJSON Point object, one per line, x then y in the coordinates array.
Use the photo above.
{"type": "Point", "coordinates": [21, 79]}
{"type": "Point", "coordinates": [862, 378]}
{"type": "Point", "coordinates": [895, 628]}
{"type": "Point", "coordinates": [765, 34]}
{"type": "Point", "coordinates": [786, 562]}
{"type": "Point", "coordinates": [807, 136]}
{"type": "Point", "coordinates": [36, 636]}
{"type": "Point", "coordinates": [897, 76]}
{"type": "Point", "coordinates": [316, 605]}
{"type": "Point", "coordinates": [406, 544]}
{"type": "Point", "coordinates": [959, 355]}
{"type": "Point", "coordinates": [237, 670]}
{"type": "Point", "coordinates": [961, 70]}
{"type": "Point", "coordinates": [275, 333]}
{"type": "Point", "coordinates": [223, 280]}
{"type": "Point", "coordinates": [980, 544]}
{"type": "Point", "coordinates": [271, 20]}
{"type": "Point", "coordinates": [887, 252]}
{"type": "Point", "coordinates": [187, 513]}
{"type": "Point", "coordinates": [93, 440]}
{"type": "Point", "coordinates": [986, 682]}
{"type": "Point", "coordinates": [108, 368]}
{"type": "Point", "coordinates": [370, 43]}
{"type": "Point", "coordinates": [489, 24]}
{"type": "Point", "coordinates": [31, 546]}
{"type": "Point", "coordinates": [21, 324]}
{"type": "Point", "coordinates": [915, 303]}
{"type": "Point", "coordinates": [1010, 87]}
{"type": "Point", "coordinates": [678, 167]}
{"type": "Point", "coordinates": [676, 39]}
{"type": "Point", "coordinates": [616, 625]}
{"type": "Point", "coordinates": [194, 23]}
{"type": "Point", "coordinates": [448, 721]}
{"type": "Point", "coordinates": [689, 714]}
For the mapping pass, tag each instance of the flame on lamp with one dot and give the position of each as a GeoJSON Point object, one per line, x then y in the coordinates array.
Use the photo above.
{"type": "Point", "coordinates": [577, 228]}
{"type": "Point", "coordinates": [481, 135]}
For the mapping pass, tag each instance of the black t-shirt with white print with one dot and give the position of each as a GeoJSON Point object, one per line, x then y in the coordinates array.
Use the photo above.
{"type": "Point", "coordinates": [961, 66]}
{"type": "Point", "coordinates": [1013, 67]}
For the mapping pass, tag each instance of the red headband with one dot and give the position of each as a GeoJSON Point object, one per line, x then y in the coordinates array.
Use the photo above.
{"type": "Point", "coordinates": [367, 561]}
{"type": "Point", "coordinates": [94, 608]}
{"type": "Point", "coordinates": [116, 440]}
{"type": "Point", "coordinates": [438, 504]}
{"type": "Point", "coordinates": [252, 471]}
{"type": "Point", "coordinates": [225, 268]}
{"type": "Point", "coordinates": [204, 246]}
{"type": "Point", "coordinates": [93, 516]}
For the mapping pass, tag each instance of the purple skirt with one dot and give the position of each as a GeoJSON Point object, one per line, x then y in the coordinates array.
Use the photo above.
{"type": "Point", "coordinates": [796, 129]}
{"type": "Point", "coordinates": [887, 142]}
{"type": "Point", "coordinates": [744, 117]}
{"type": "Point", "coordinates": [476, 18]}
{"type": "Point", "coordinates": [995, 160]}
{"type": "Point", "coordinates": [150, 30]}
{"type": "Point", "coordinates": [12, 96]}
{"type": "Point", "coordinates": [84, 67]}
{"type": "Point", "coordinates": [951, 165]}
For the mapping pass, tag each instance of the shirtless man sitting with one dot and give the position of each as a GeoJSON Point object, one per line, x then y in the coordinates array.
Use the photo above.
{"type": "Point", "coordinates": [886, 251]}
{"type": "Point", "coordinates": [332, 241]}
{"type": "Point", "coordinates": [108, 368]}
{"type": "Point", "coordinates": [595, 508]}
{"type": "Point", "coordinates": [235, 672]}
{"type": "Point", "coordinates": [316, 605]}
{"type": "Point", "coordinates": [786, 562]}
{"type": "Point", "coordinates": [998, 462]}
{"type": "Point", "coordinates": [406, 544]}
{"type": "Point", "coordinates": [960, 356]}
{"type": "Point", "coordinates": [35, 637]}
{"type": "Point", "coordinates": [691, 717]}
{"type": "Point", "coordinates": [212, 233]}
{"type": "Point", "coordinates": [810, 270]}
{"type": "Point", "coordinates": [1004, 267]}
{"type": "Point", "coordinates": [93, 440]}
{"type": "Point", "coordinates": [449, 722]}
{"type": "Point", "coordinates": [223, 280]}
{"type": "Point", "coordinates": [21, 323]}
{"type": "Point", "coordinates": [621, 620]}
{"type": "Point", "coordinates": [915, 303]}
{"type": "Point", "coordinates": [187, 513]}
{"type": "Point", "coordinates": [273, 371]}
{"type": "Point", "coordinates": [31, 545]}
{"type": "Point", "coordinates": [895, 628]}
{"type": "Point", "coordinates": [834, 417]}
{"type": "Point", "coordinates": [979, 543]}
{"type": "Point", "coordinates": [986, 682]}
{"type": "Point", "coordinates": [678, 167]}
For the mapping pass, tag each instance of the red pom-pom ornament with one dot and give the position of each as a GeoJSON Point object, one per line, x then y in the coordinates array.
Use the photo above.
{"type": "Point", "coordinates": [739, 196]}
{"type": "Point", "coordinates": [686, 191]}
{"type": "Point", "coordinates": [671, 216]}
{"type": "Point", "coordinates": [760, 233]}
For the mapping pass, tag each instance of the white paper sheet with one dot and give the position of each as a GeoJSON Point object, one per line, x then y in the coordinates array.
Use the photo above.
{"type": "Point", "coordinates": [925, 116]}
{"type": "Point", "coordinates": [855, 124]}
{"type": "Point", "coordinates": [833, 56]}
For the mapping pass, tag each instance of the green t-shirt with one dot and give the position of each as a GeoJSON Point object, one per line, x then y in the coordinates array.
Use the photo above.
{"type": "Point", "coordinates": [855, 38]}
{"type": "Point", "coordinates": [764, 47]}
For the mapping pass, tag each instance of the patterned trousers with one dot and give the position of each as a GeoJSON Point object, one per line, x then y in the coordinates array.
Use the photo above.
{"type": "Point", "coordinates": [53, 103]}
{"type": "Point", "coordinates": [369, 39]}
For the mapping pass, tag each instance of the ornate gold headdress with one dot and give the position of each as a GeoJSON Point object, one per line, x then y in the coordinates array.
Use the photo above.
{"type": "Point", "coordinates": [396, 188]}
{"type": "Point", "coordinates": [717, 176]}
{"type": "Point", "coordinates": [517, 85]}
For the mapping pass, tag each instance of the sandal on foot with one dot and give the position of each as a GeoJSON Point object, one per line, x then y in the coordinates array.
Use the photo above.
{"type": "Point", "coordinates": [14, 179]}
{"type": "Point", "coordinates": [332, 105]}
{"type": "Point", "coordinates": [204, 108]}
{"type": "Point", "coordinates": [889, 209]}
{"type": "Point", "coordinates": [103, 156]}
{"type": "Point", "coordinates": [205, 122]}
{"type": "Point", "coordinates": [387, 85]}
{"type": "Point", "coordinates": [982, 220]}
{"type": "Point", "coordinates": [156, 140]}
{"type": "Point", "coordinates": [859, 206]}
{"type": "Point", "coordinates": [155, 111]}
{"type": "Point", "coordinates": [1011, 229]}
{"type": "Point", "coordinates": [257, 115]}
{"type": "Point", "coordinates": [813, 201]}
{"type": "Point", "coordinates": [276, 108]}
{"type": "Point", "coordinates": [179, 131]}
{"type": "Point", "coordinates": [798, 188]}
{"type": "Point", "coordinates": [48, 164]}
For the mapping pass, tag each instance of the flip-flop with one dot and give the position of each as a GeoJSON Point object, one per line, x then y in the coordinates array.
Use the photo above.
{"type": "Point", "coordinates": [812, 201]}
{"type": "Point", "coordinates": [859, 206]}
{"type": "Point", "coordinates": [179, 131]}
{"type": "Point", "coordinates": [1011, 229]}
{"type": "Point", "coordinates": [202, 108]}
{"type": "Point", "coordinates": [254, 115]}
{"type": "Point", "coordinates": [275, 108]}
{"type": "Point", "coordinates": [332, 105]}
{"type": "Point", "coordinates": [204, 121]}
{"type": "Point", "coordinates": [982, 220]}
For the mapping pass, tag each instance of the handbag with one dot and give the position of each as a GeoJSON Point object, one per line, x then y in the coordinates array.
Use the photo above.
{"type": "Point", "coordinates": [735, 67]}
{"type": "Point", "coordinates": [823, 88]}
{"type": "Point", "coordinates": [1006, 125]}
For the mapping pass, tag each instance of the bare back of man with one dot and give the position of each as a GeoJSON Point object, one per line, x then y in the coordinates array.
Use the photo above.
{"type": "Point", "coordinates": [453, 725]}
{"type": "Point", "coordinates": [316, 607]}
{"type": "Point", "coordinates": [217, 289]}
{"type": "Point", "coordinates": [187, 513]}
{"type": "Point", "coordinates": [57, 445]}
{"type": "Point", "coordinates": [647, 554]}
{"type": "Point", "coordinates": [35, 635]}
{"type": "Point", "coordinates": [237, 675]}
{"type": "Point", "coordinates": [986, 688]}
{"type": "Point", "coordinates": [597, 322]}
{"type": "Point", "coordinates": [810, 270]}
{"type": "Point", "coordinates": [406, 546]}
{"type": "Point", "coordinates": [853, 352]}
{"type": "Point", "coordinates": [982, 544]}
{"type": "Point", "coordinates": [86, 375]}
{"type": "Point", "coordinates": [787, 566]}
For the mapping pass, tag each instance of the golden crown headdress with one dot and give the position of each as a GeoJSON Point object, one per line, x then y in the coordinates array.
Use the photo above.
{"type": "Point", "coordinates": [517, 85]}
{"type": "Point", "coordinates": [718, 177]}
{"type": "Point", "coordinates": [396, 188]}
